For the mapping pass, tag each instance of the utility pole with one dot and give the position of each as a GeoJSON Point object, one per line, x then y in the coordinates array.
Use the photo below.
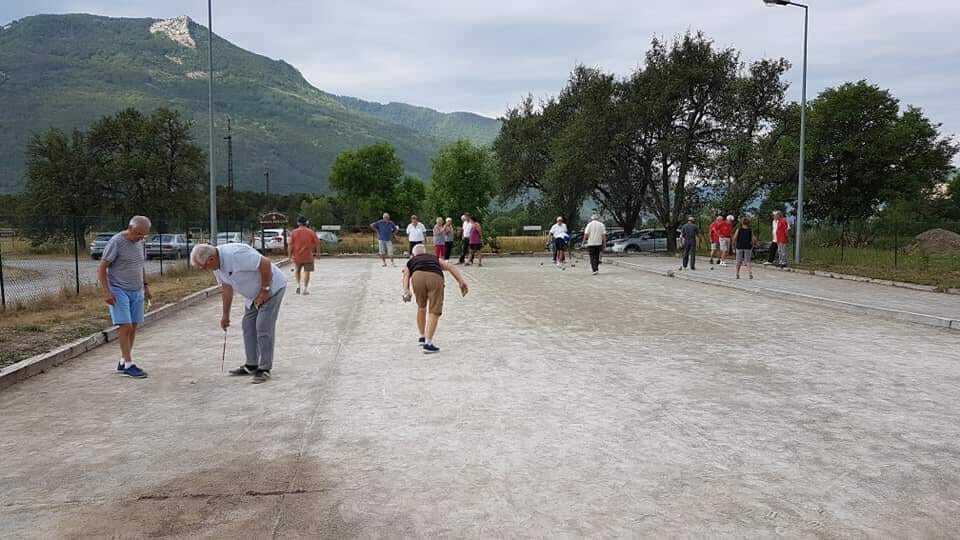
{"type": "Point", "coordinates": [266, 176]}
{"type": "Point", "coordinates": [229, 193]}
{"type": "Point", "coordinates": [213, 182]}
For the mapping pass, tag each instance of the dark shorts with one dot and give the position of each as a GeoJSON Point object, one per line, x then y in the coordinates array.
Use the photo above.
{"type": "Point", "coordinates": [306, 267]}
{"type": "Point", "coordinates": [476, 247]}
{"type": "Point", "coordinates": [559, 244]}
{"type": "Point", "coordinates": [414, 243]}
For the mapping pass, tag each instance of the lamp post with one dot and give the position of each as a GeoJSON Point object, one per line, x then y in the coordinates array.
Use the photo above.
{"type": "Point", "coordinates": [213, 184]}
{"type": "Point", "coordinates": [803, 117]}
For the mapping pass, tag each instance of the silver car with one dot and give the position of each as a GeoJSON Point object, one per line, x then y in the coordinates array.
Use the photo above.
{"type": "Point", "coordinates": [168, 246]}
{"type": "Point", "coordinates": [643, 240]}
{"type": "Point", "coordinates": [99, 243]}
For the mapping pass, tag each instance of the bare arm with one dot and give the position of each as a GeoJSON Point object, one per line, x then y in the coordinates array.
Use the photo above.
{"type": "Point", "coordinates": [464, 289]}
{"type": "Point", "coordinates": [406, 281]}
{"type": "Point", "coordinates": [226, 296]}
{"type": "Point", "coordinates": [102, 278]}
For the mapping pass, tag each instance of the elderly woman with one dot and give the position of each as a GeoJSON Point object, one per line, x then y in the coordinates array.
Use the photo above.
{"type": "Point", "coordinates": [240, 268]}
{"type": "Point", "coordinates": [423, 280]}
{"type": "Point", "coordinates": [439, 238]}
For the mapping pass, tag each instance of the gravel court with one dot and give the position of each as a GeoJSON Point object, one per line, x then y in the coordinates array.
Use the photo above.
{"type": "Point", "coordinates": [534, 420]}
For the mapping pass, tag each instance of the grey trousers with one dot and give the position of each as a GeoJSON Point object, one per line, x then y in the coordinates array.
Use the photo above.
{"type": "Point", "coordinates": [259, 331]}
{"type": "Point", "coordinates": [783, 254]}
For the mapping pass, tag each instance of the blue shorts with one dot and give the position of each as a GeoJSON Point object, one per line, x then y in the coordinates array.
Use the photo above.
{"type": "Point", "coordinates": [129, 306]}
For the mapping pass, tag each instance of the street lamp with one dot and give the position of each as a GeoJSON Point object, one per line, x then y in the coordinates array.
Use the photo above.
{"type": "Point", "coordinates": [803, 116]}
{"type": "Point", "coordinates": [213, 185]}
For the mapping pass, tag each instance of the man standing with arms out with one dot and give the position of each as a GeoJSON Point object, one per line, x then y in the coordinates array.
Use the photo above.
{"type": "Point", "coordinates": [416, 233]}
{"type": "Point", "coordinates": [304, 247]}
{"type": "Point", "coordinates": [595, 237]}
{"type": "Point", "coordinates": [689, 233]}
{"type": "Point", "coordinates": [240, 268]}
{"type": "Point", "coordinates": [715, 240]}
{"type": "Point", "coordinates": [725, 231]}
{"type": "Point", "coordinates": [781, 232]}
{"type": "Point", "coordinates": [385, 230]}
{"type": "Point", "coordinates": [123, 280]}
{"type": "Point", "coordinates": [465, 231]}
{"type": "Point", "coordinates": [423, 279]}
{"type": "Point", "coordinates": [558, 232]}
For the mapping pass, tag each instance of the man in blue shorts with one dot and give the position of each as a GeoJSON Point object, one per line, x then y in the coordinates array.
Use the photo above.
{"type": "Point", "coordinates": [122, 276]}
{"type": "Point", "coordinates": [385, 230]}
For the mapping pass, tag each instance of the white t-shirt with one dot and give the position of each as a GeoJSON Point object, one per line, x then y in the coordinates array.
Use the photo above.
{"type": "Point", "coordinates": [595, 231]}
{"type": "Point", "coordinates": [240, 269]}
{"type": "Point", "coordinates": [467, 227]}
{"type": "Point", "coordinates": [416, 233]}
{"type": "Point", "coordinates": [559, 230]}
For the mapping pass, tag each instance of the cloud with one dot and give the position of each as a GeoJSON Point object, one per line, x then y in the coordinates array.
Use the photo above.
{"type": "Point", "coordinates": [485, 56]}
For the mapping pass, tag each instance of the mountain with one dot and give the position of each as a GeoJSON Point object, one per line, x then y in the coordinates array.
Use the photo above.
{"type": "Point", "coordinates": [66, 71]}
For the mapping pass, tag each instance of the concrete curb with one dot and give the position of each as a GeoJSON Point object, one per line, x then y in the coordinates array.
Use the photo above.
{"type": "Point", "coordinates": [850, 307]}
{"type": "Point", "coordinates": [34, 365]}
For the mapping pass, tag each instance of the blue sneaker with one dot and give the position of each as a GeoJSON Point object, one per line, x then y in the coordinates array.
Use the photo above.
{"type": "Point", "coordinates": [429, 348]}
{"type": "Point", "coordinates": [120, 367]}
{"type": "Point", "coordinates": [135, 372]}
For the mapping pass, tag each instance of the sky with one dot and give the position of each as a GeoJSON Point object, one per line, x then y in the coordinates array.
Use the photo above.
{"type": "Point", "coordinates": [483, 57]}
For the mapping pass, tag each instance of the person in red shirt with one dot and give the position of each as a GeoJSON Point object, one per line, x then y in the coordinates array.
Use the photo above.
{"type": "Point", "coordinates": [725, 232]}
{"type": "Point", "coordinates": [715, 239]}
{"type": "Point", "coordinates": [782, 233]}
{"type": "Point", "coordinates": [303, 247]}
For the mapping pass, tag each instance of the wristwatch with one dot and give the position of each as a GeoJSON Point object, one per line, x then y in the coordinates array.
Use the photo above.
{"type": "Point", "coordinates": [267, 288]}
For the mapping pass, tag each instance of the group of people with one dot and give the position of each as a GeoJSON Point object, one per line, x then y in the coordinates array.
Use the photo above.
{"type": "Point", "coordinates": [444, 238]}
{"type": "Point", "coordinates": [727, 236]}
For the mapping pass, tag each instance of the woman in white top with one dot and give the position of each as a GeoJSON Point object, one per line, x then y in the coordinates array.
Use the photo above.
{"type": "Point", "coordinates": [559, 234]}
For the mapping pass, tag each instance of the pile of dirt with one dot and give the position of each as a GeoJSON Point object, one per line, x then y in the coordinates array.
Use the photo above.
{"type": "Point", "coordinates": [936, 242]}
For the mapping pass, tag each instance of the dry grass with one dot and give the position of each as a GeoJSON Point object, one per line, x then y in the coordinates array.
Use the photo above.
{"type": "Point", "coordinates": [19, 274]}
{"type": "Point", "coordinates": [367, 243]}
{"type": "Point", "coordinates": [54, 320]}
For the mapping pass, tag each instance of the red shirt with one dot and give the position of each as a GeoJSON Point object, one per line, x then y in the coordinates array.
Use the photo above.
{"type": "Point", "coordinates": [783, 228]}
{"type": "Point", "coordinates": [714, 233]}
{"type": "Point", "coordinates": [725, 229]}
{"type": "Point", "coordinates": [302, 243]}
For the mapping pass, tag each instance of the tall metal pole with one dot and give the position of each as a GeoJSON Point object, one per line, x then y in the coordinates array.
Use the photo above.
{"type": "Point", "coordinates": [803, 135]}
{"type": "Point", "coordinates": [213, 184]}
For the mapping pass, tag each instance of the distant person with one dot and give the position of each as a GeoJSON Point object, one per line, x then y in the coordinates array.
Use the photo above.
{"type": "Point", "coordinates": [782, 235]}
{"type": "Point", "coordinates": [123, 280]}
{"type": "Point", "coordinates": [476, 241]}
{"type": "Point", "coordinates": [467, 225]}
{"type": "Point", "coordinates": [688, 233]}
{"type": "Point", "coordinates": [448, 231]}
{"type": "Point", "coordinates": [416, 232]}
{"type": "Point", "coordinates": [304, 247]}
{"type": "Point", "coordinates": [423, 280]}
{"type": "Point", "coordinates": [595, 237]}
{"type": "Point", "coordinates": [240, 268]}
{"type": "Point", "coordinates": [745, 241]}
{"type": "Point", "coordinates": [715, 240]}
{"type": "Point", "coordinates": [558, 232]}
{"type": "Point", "coordinates": [385, 230]}
{"type": "Point", "coordinates": [439, 238]}
{"type": "Point", "coordinates": [725, 231]}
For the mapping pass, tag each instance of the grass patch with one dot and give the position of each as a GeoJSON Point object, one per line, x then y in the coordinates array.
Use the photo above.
{"type": "Point", "coordinates": [53, 320]}
{"type": "Point", "coordinates": [367, 243]}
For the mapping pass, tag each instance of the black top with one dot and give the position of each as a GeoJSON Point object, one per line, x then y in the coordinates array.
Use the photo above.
{"type": "Point", "coordinates": [425, 263]}
{"type": "Point", "coordinates": [745, 239]}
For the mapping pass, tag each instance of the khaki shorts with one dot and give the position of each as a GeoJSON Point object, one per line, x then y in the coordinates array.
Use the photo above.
{"type": "Point", "coordinates": [306, 267]}
{"type": "Point", "coordinates": [724, 245]}
{"type": "Point", "coordinates": [428, 288]}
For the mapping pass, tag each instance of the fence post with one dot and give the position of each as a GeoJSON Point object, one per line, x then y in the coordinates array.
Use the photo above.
{"type": "Point", "coordinates": [76, 254]}
{"type": "Point", "coordinates": [896, 245]}
{"type": "Point", "coordinates": [843, 239]}
{"type": "Point", "coordinates": [160, 228]}
{"type": "Point", "coordinates": [3, 291]}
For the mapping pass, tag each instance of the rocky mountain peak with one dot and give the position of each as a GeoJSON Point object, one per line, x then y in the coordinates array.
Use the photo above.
{"type": "Point", "coordinates": [177, 29]}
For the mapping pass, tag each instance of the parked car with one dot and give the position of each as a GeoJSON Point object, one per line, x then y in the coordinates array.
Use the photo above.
{"type": "Point", "coordinates": [229, 238]}
{"type": "Point", "coordinates": [272, 237]}
{"type": "Point", "coordinates": [328, 238]}
{"type": "Point", "coordinates": [168, 246]}
{"type": "Point", "coordinates": [643, 240]}
{"type": "Point", "coordinates": [99, 243]}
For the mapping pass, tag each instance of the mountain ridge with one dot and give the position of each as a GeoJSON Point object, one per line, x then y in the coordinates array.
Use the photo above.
{"type": "Point", "coordinates": [66, 71]}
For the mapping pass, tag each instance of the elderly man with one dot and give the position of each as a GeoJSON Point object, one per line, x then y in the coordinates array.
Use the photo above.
{"type": "Point", "coordinates": [385, 230]}
{"type": "Point", "coordinates": [423, 279]}
{"type": "Point", "coordinates": [416, 233]}
{"type": "Point", "coordinates": [466, 229]}
{"type": "Point", "coordinates": [240, 268]}
{"type": "Point", "coordinates": [595, 237]}
{"type": "Point", "coordinates": [123, 280]}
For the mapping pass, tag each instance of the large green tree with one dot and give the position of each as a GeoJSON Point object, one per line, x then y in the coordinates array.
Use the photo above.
{"type": "Point", "coordinates": [366, 181]}
{"type": "Point", "coordinates": [463, 180]}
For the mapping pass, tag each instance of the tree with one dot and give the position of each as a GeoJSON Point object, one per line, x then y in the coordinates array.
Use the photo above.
{"type": "Point", "coordinates": [463, 180]}
{"type": "Point", "coordinates": [366, 181]}
{"type": "Point", "coordinates": [409, 197]}
{"type": "Point", "coordinates": [688, 89]}
{"type": "Point", "coordinates": [319, 211]}
{"type": "Point", "coordinates": [862, 152]}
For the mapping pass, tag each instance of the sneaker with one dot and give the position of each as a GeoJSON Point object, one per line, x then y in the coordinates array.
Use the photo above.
{"type": "Point", "coordinates": [298, 290]}
{"type": "Point", "coordinates": [306, 292]}
{"type": "Point", "coordinates": [135, 372]}
{"type": "Point", "coordinates": [421, 341]}
{"type": "Point", "coordinates": [242, 371]}
{"type": "Point", "coordinates": [120, 366]}
{"type": "Point", "coordinates": [595, 272]}
{"type": "Point", "coordinates": [261, 376]}
{"type": "Point", "coordinates": [751, 276]}
{"type": "Point", "coordinates": [429, 348]}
